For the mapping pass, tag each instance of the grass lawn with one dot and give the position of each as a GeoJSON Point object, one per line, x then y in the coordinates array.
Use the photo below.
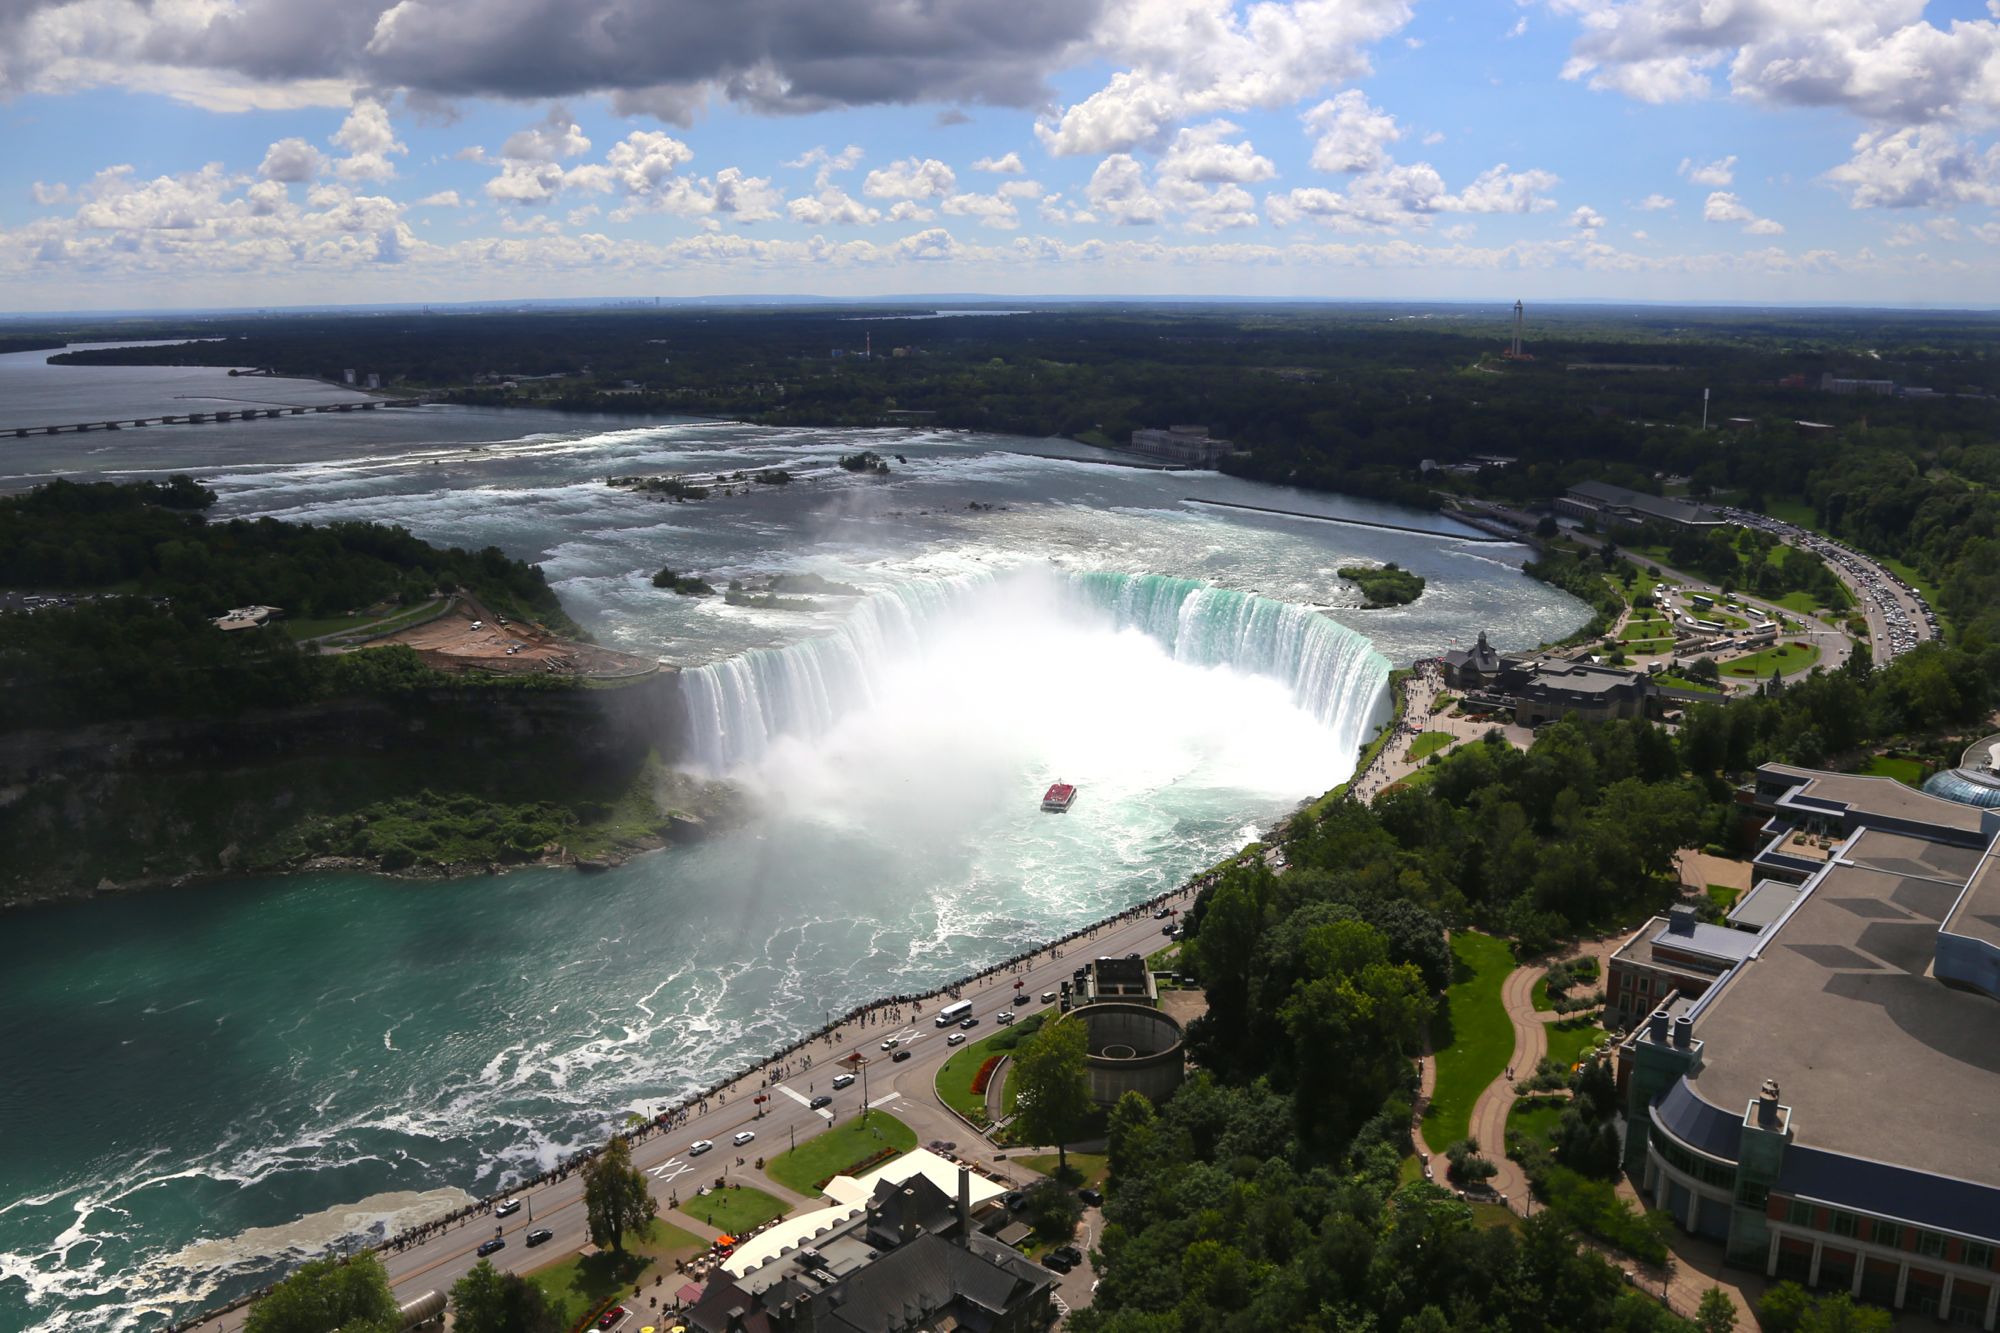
{"type": "Point", "coordinates": [1429, 743]}
{"type": "Point", "coordinates": [1793, 511]}
{"type": "Point", "coordinates": [1908, 771]}
{"type": "Point", "coordinates": [834, 1151]}
{"type": "Point", "coordinates": [1493, 1216]}
{"type": "Point", "coordinates": [1410, 1171]}
{"type": "Point", "coordinates": [1786, 658]}
{"type": "Point", "coordinates": [1535, 1119]}
{"type": "Point", "coordinates": [1085, 1168]}
{"type": "Point", "coordinates": [1643, 646]}
{"type": "Point", "coordinates": [578, 1285]}
{"type": "Point", "coordinates": [1643, 627]}
{"type": "Point", "coordinates": [734, 1208]}
{"type": "Point", "coordinates": [1570, 1038]}
{"type": "Point", "coordinates": [1540, 997]}
{"type": "Point", "coordinates": [1723, 896]}
{"type": "Point", "coordinates": [1683, 683]}
{"type": "Point", "coordinates": [1471, 1035]}
{"type": "Point", "coordinates": [1802, 602]}
{"type": "Point", "coordinates": [954, 1081]}
{"type": "Point", "coordinates": [381, 624]}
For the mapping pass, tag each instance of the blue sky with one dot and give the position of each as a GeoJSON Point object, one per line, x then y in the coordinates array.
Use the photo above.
{"type": "Point", "coordinates": [271, 152]}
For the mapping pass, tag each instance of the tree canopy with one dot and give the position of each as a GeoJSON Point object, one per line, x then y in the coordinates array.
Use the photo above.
{"type": "Point", "coordinates": [615, 1196]}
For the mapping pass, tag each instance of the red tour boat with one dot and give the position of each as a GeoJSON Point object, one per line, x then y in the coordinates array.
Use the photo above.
{"type": "Point", "coordinates": [1059, 797]}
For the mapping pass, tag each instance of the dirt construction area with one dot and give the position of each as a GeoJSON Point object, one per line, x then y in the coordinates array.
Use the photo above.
{"type": "Point", "coordinates": [468, 637]}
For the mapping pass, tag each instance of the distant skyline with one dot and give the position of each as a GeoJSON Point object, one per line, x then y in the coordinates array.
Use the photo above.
{"type": "Point", "coordinates": [243, 153]}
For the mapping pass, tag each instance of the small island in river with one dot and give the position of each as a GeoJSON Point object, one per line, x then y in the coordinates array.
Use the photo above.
{"type": "Point", "coordinates": [1384, 585]}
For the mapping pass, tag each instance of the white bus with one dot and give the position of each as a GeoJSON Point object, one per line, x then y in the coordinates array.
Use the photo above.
{"type": "Point", "coordinates": [952, 1013]}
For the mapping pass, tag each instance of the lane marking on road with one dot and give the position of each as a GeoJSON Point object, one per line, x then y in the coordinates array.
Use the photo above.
{"type": "Point", "coordinates": [795, 1095]}
{"type": "Point", "coordinates": [669, 1171]}
{"type": "Point", "coordinates": [881, 1102]}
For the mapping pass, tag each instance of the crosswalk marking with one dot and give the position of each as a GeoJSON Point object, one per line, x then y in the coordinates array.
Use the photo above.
{"type": "Point", "coordinates": [669, 1171]}
{"type": "Point", "coordinates": [794, 1094]}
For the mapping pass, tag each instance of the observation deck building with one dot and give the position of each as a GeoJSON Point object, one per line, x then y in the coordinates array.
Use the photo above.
{"type": "Point", "coordinates": [1817, 1085]}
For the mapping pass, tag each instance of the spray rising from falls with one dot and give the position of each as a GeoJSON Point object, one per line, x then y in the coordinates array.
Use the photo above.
{"type": "Point", "coordinates": [738, 708]}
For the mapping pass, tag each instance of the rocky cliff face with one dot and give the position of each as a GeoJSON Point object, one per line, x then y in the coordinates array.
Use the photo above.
{"type": "Point", "coordinates": [157, 802]}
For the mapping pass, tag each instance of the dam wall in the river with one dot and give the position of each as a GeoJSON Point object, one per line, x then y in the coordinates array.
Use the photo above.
{"type": "Point", "coordinates": [159, 800]}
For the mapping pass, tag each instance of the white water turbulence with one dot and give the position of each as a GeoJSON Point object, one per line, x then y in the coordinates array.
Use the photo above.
{"type": "Point", "coordinates": [1127, 679]}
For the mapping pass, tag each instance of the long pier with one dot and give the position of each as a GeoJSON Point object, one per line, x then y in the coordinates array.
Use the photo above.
{"type": "Point", "coordinates": [199, 418]}
{"type": "Point", "coordinates": [1359, 522]}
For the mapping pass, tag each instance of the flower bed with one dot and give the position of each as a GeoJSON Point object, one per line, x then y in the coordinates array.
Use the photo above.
{"type": "Point", "coordinates": [985, 1075]}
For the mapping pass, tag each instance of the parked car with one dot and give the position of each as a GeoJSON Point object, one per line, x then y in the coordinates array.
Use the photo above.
{"type": "Point", "coordinates": [1015, 1200]}
{"type": "Point", "coordinates": [506, 1207]}
{"type": "Point", "coordinates": [540, 1236]}
{"type": "Point", "coordinates": [901, 1055]}
{"type": "Point", "coordinates": [955, 1039]}
{"type": "Point", "coordinates": [842, 1080]}
{"type": "Point", "coordinates": [1095, 1198]}
{"type": "Point", "coordinates": [698, 1147]}
{"type": "Point", "coordinates": [492, 1246]}
{"type": "Point", "coordinates": [743, 1137]}
{"type": "Point", "coordinates": [892, 1043]}
{"type": "Point", "coordinates": [1048, 997]}
{"type": "Point", "coordinates": [1058, 1261]}
{"type": "Point", "coordinates": [612, 1318]}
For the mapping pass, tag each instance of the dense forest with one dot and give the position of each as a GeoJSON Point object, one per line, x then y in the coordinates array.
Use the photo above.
{"type": "Point", "coordinates": [146, 574]}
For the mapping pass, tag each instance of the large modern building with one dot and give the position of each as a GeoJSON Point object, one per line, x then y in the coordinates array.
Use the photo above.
{"type": "Point", "coordinates": [1611, 506]}
{"type": "Point", "coordinates": [1192, 445]}
{"type": "Point", "coordinates": [1826, 1102]}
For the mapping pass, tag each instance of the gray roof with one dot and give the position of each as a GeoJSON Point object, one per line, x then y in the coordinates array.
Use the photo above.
{"type": "Point", "coordinates": [1875, 1055]}
{"type": "Point", "coordinates": [1871, 800]}
{"type": "Point", "coordinates": [1652, 506]}
{"type": "Point", "coordinates": [929, 1275]}
{"type": "Point", "coordinates": [1765, 903]}
{"type": "Point", "coordinates": [1977, 912]}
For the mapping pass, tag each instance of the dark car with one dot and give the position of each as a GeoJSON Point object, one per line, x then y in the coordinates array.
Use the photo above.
{"type": "Point", "coordinates": [1095, 1198]}
{"type": "Point", "coordinates": [1015, 1200]}
{"type": "Point", "coordinates": [1059, 1261]}
{"type": "Point", "coordinates": [540, 1236]}
{"type": "Point", "coordinates": [493, 1246]}
{"type": "Point", "coordinates": [901, 1055]}
{"type": "Point", "coordinates": [819, 1101]}
{"type": "Point", "coordinates": [972, 1021]}
{"type": "Point", "coordinates": [1069, 1254]}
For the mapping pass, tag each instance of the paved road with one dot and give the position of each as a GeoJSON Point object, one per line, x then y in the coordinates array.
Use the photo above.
{"type": "Point", "coordinates": [903, 1088]}
{"type": "Point", "coordinates": [1898, 617]}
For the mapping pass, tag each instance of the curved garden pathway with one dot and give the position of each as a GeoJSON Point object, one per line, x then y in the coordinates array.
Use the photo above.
{"type": "Point", "coordinates": [1489, 1111]}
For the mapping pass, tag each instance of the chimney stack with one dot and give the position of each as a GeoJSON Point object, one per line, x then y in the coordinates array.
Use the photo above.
{"type": "Point", "coordinates": [1656, 1025]}
{"type": "Point", "coordinates": [1684, 1032]}
{"type": "Point", "coordinates": [964, 1205]}
{"type": "Point", "coordinates": [1767, 1104]}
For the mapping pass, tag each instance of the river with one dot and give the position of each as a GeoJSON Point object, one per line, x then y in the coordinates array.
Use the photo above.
{"type": "Point", "coordinates": [202, 1083]}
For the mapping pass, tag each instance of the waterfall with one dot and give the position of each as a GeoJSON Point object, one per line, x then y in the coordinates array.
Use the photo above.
{"type": "Point", "coordinates": [737, 707]}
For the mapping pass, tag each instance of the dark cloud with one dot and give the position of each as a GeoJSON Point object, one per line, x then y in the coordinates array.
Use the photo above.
{"type": "Point", "coordinates": [658, 56]}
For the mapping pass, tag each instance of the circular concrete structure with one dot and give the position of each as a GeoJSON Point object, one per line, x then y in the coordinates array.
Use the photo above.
{"type": "Point", "coordinates": [1133, 1048]}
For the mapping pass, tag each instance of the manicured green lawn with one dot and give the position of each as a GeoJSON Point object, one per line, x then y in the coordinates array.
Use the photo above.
{"type": "Point", "coordinates": [834, 1152]}
{"type": "Point", "coordinates": [1908, 771]}
{"type": "Point", "coordinates": [1786, 658]}
{"type": "Point", "coordinates": [1683, 683]}
{"type": "Point", "coordinates": [1569, 1039]}
{"type": "Point", "coordinates": [1471, 1037]}
{"type": "Point", "coordinates": [1535, 1119]}
{"type": "Point", "coordinates": [734, 1208]}
{"type": "Point", "coordinates": [380, 624]}
{"type": "Point", "coordinates": [954, 1080]}
{"type": "Point", "coordinates": [1642, 628]}
{"type": "Point", "coordinates": [1539, 996]}
{"type": "Point", "coordinates": [1802, 602]}
{"type": "Point", "coordinates": [1085, 1168]}
{"type": "Point", "coordinates": [1429, 743]}
{"type": "Point", "coordinates": [1723, 896]}
{"type": "Point", "coordinates": [578, 1285]}
{"type": "Point", "coordinates": [1642, 646]}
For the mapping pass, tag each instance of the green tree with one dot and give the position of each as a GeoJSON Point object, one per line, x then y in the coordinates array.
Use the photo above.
{"type": "Point", "coordinates": [348, 1295]}
{"type": "Point", "coordinates": [1053, 1085]}
{"type": "Point", "coordinates": [615, 1196]}
{"type": "Point", "coordinates": [1840, 1313]}
{"type": "Point", "coordinates": [487, 1300]}
{"type": "Point", "coordinates": [1716, 1313]}
{"type": "Point", "coordinates": [1783, 1308]}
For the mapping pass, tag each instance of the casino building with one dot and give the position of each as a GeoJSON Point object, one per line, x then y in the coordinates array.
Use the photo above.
{"type": "Point", "coordinates": [1817, 1087]}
